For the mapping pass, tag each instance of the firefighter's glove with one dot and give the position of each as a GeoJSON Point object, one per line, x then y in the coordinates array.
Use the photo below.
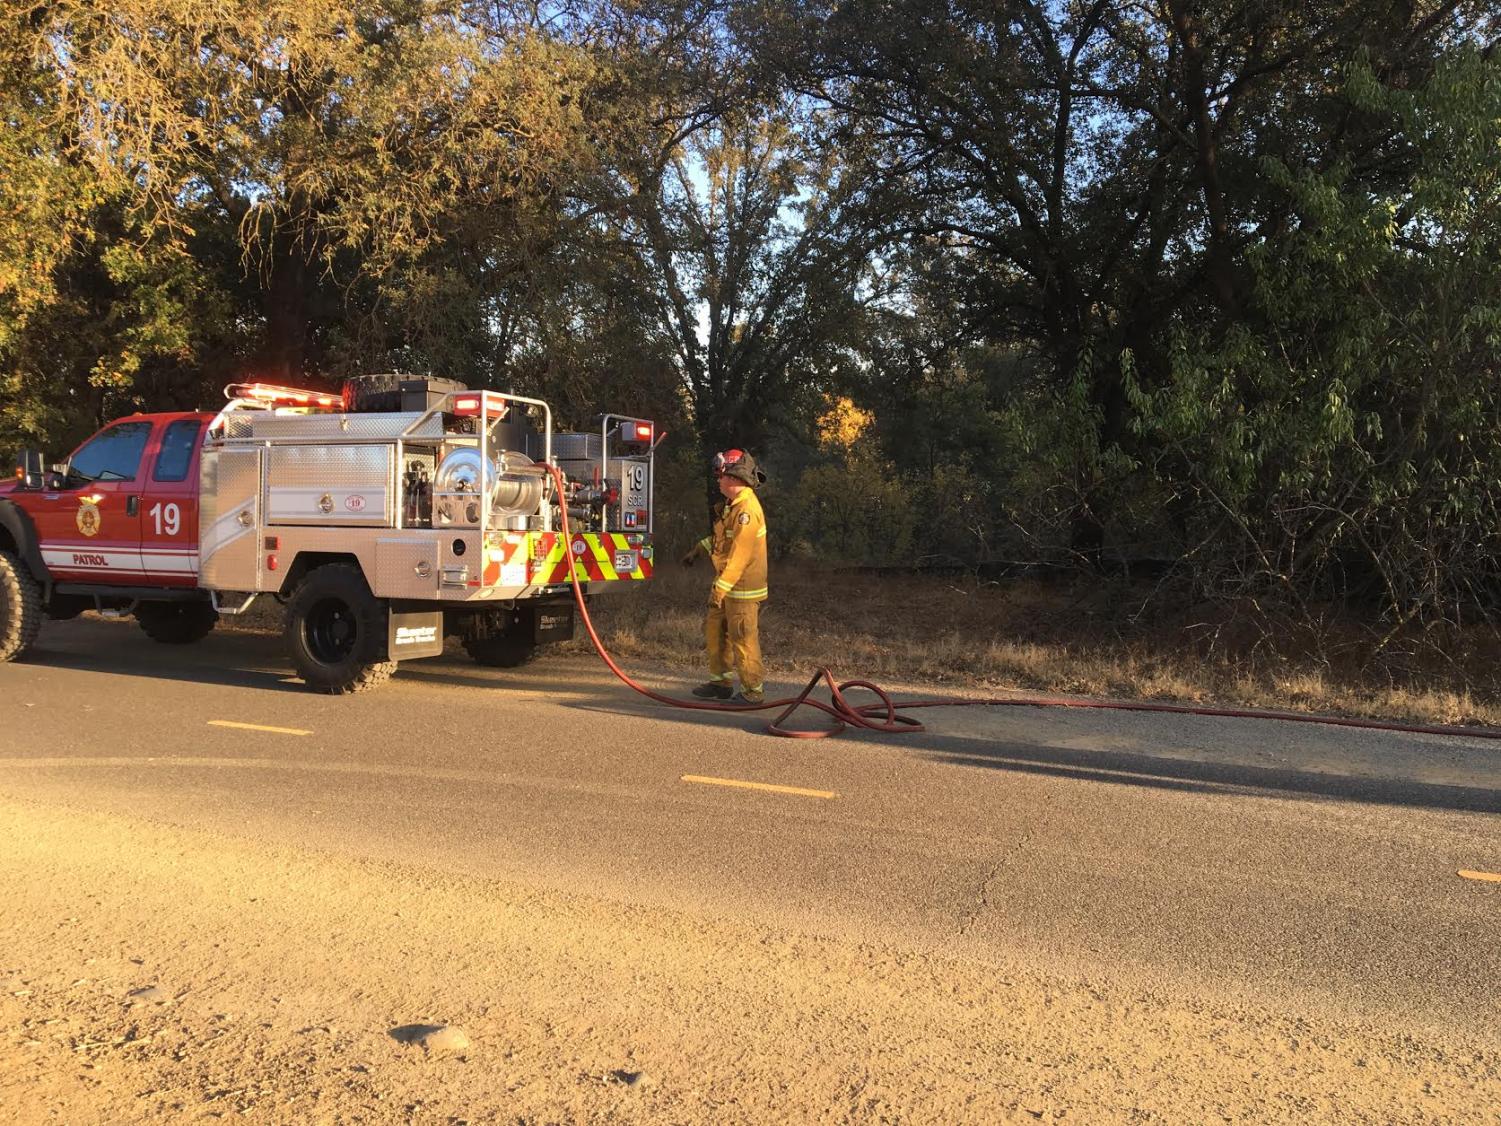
{"type": "Point", "coordinates": [689, 559]}
{"type": "Point", "coordinates": [716, 597]}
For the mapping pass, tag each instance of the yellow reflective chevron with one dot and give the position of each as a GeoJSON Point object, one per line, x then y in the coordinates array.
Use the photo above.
{"type": "Point", "coordinates": [550, 566]}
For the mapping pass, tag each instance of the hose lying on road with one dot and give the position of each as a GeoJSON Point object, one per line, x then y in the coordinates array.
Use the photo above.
{"type": "Point", "coordinates": [886, 715]}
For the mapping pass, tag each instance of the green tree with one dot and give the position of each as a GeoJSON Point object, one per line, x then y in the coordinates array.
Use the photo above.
{"type": "Point", "coordinates": [291, 190]}
{"type": "Point", "coordinates": [751, 237]}
{"type": "Point", "coordinates": [1345, 437]}
{"type": "Point", "coordinates": [1084, 177]}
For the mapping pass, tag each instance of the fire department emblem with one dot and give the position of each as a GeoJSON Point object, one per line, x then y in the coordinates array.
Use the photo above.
{"type": "Point", "coordinates": [88, 518]}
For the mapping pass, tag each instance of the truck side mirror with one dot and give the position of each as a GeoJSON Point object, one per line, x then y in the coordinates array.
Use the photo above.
{"type": "Point", "coordinates": [57, 475]}
{"type": "Point", "coordinates": [30, 469]}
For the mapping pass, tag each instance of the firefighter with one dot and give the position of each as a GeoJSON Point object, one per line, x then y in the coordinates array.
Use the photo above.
{"type": "Point", "coordinates": [737, 548]}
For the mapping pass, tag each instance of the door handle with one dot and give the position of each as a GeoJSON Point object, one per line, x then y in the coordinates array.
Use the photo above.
{"type": "Point", "coordinates": [132, 505]}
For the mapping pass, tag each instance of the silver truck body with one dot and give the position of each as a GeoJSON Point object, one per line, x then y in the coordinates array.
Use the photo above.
{"type": "Point", "coordinates": [402, 493]}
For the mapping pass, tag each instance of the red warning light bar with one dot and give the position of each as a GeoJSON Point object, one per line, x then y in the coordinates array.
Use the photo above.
{"type": "Point", "coordinates": [275, 396]}
{"type": "Point", "coordinates": [468, 405]}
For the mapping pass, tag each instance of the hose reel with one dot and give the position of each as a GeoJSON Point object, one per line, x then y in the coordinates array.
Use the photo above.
{"type": "Point", "coordinates": [513, 483]}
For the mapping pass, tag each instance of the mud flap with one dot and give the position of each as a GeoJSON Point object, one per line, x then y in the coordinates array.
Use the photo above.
{"type": "Point", "coordinates": [552, 622]}
{"type": "Point", "coordinates": [414, 633]}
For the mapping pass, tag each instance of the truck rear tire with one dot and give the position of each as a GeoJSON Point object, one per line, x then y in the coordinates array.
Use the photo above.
{"type": "Point", "coordinates": [176, 623]}
{"type": "Point", "coordinates": [500, 652]}
{"type": "Point", "coordinates": [336, 631]}
{"type": "Point", "coordinates": [20, 607]}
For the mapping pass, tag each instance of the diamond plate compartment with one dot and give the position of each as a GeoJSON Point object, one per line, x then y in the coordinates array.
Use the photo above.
{"type": "Point", "coordinates": [330, 485]}
{"type": "Point", "coordinates": [407, 567]}
{"type": "Point", "coordinates": [228, 520]}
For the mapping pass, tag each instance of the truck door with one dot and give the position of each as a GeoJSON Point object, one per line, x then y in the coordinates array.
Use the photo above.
{"type": "Point", "coordinates": [90, 527]}
{"type": "Point", "coordinates": [169, 506]}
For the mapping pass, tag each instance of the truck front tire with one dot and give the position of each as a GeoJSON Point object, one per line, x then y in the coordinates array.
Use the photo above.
{"type": "Point", "coordinates": [336, 631]}
{"type": "Point", "coordinates": [20, 607]}
{"type": "Point", "coordinates": [176, 623]}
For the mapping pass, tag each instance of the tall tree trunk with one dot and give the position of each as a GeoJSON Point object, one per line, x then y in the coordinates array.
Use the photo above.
{"type": "Point", "coordinates": [287, 314]}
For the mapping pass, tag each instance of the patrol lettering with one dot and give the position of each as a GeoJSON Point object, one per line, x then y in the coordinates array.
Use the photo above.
{"type": "Point", "coordinates": [86, 559]}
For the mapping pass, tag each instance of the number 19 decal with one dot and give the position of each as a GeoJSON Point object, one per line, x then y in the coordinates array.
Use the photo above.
{"type": "Point", "coordinates": [166, 516]}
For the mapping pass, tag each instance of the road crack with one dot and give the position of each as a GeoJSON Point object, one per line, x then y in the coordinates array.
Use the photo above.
{"type": "Point", "coordinates": [981, 902]}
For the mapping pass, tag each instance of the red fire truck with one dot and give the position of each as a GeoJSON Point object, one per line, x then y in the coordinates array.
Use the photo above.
{"type": "Point", "coordinates": [387, 518]}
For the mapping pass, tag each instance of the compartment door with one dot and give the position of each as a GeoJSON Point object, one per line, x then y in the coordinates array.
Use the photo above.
{"type": "Point", "coordinates": [331, 486]}
{"type": "Point", "coordinates": [229, 521]}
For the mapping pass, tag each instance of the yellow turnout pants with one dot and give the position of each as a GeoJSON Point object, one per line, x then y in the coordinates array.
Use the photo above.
{"type": "Point", "coordinates": [733, 634]}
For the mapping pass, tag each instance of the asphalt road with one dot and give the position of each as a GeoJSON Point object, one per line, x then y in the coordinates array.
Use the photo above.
{"type": "Point", "coordinates": [1319, 866]}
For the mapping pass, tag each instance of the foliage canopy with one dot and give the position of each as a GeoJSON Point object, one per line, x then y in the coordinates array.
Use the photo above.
{"type": "Point", "coordinates": [1214, 285]}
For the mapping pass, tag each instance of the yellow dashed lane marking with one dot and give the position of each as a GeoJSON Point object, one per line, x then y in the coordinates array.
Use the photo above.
{"type": "Point", "coordinates": [1488, 877]}
{"type": "Point", "coordinates": [257, 727]}
{"type": "Point", "coordinates": [767, 786]}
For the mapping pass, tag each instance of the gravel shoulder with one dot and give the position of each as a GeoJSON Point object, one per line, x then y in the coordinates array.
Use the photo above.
{"type": "Point", "coordinates": [295, 986]}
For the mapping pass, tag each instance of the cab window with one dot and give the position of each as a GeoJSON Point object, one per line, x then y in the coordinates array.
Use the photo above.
{"type": "Point", "coordinates": [176, 454]}
{"type": "Point", "coordinates": [113, 454]}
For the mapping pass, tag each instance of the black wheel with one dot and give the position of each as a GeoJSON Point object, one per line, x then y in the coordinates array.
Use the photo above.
{"type": "Point", "coordinates": [373, 393]}
{"type": "Point", "coordinates": [500, 651]}
{"type": "Point", "coordinates": [20, 607]}
{"type": "Point", "coordinates": [176, 623]}
{"type": "Point", "coordinates": [336, 631]}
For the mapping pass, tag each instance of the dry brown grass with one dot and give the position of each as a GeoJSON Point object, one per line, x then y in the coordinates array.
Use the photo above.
{"type": "Point", "coordinates": [1084, 638]}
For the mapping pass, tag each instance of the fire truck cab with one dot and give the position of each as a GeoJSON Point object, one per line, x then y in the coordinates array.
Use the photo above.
{"type": "Point", "coordinates": [386, 519]}
{"type": "Point", "coordinates": [124, 507]}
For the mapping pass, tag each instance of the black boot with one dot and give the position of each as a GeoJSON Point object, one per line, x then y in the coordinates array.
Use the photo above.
{"type": "Point", "coordinates": [714, 690]}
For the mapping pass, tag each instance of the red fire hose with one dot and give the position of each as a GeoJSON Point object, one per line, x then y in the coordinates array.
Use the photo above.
{"type": "Point", "coordinates": [886, 715]}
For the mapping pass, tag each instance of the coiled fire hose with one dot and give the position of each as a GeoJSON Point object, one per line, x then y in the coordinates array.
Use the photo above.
{"type": "Point", "coordinates": [886, 715]}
